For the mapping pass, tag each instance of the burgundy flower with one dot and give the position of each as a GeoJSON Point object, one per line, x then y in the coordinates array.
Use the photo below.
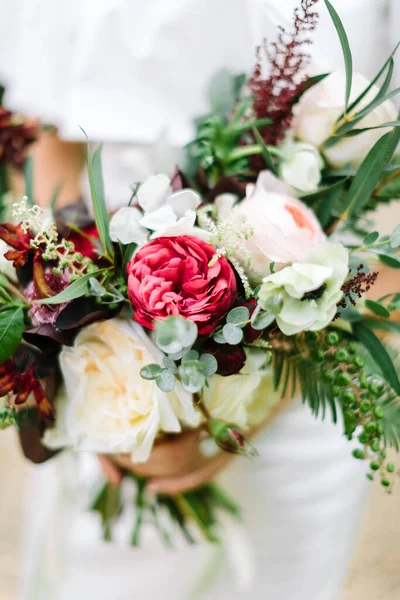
{"type": "Point", "coordinates": [23, 385]}
{"type": "Point", "coordinates": [85, 241]}
{"type": "Point", "coordinates": [43, 314]}
{"type": "Point", "coordinates": [173, 276]}
{"type": "Point", "coordinates": [230, 358]}
{"type": "Point", "coordinates": [16, 134]}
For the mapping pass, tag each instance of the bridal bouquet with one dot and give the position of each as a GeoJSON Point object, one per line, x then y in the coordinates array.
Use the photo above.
{"type": "Point", "coordinates": [215, 293]}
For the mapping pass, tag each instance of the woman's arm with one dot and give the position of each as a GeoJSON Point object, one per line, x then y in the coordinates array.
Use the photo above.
{"type": "Point", "coordinates": [55, 163]}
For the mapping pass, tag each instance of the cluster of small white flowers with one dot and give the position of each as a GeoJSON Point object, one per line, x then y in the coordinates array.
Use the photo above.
{"type": "Point", "coordinates": [30, 217]}
{"type": "Point", "coordinates": [62, 252]}
{"type": "Point", "coordinates": [227, 237]}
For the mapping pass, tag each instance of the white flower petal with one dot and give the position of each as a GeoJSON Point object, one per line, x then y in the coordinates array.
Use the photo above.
{"type": "Point", "coordinates": [183, 201]}
{"type": "Point", "coordinates": [183, 226]}
{"type": "Point", "coordinates": [159, 219]}
{"type": "Point", "coordinates": [225, 204]}
{"type": "Point", "coordinates": [153, 192]}
{"type": "Point", "coordinates": [125, 227]}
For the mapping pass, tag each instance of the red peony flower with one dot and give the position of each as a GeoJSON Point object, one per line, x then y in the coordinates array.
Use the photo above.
{"type": "Point", "coordinates": [172, 276]}
{"type": "Point", "coordinates": [85, 242]}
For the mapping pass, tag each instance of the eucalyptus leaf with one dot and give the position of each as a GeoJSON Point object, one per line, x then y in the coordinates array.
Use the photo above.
{"type": "Point", "coordinates": [151, 371]}
{"type": "Point", "coordinates": [390, 261]}
{"type": "Point", "coordinates": [166, 381]}
{"type": "Point", "coordinates": [169, 364]}
{"type": "Point", "coordinates": [233, 335]}
{"type": "Point", "coordinates": [348, 60]}
{"type": "Point", "coordinates": [219, 337]}
{"type": "Point", "coordinates": [238, 316]}
{"type": "Point", "coordinates": [263, 320]}
{"type": "Point", "coordinates": [377, 308]}
{"type": "Point", "coordinates": [191, 355]}
{"type": "Point", "coordinates": [95, 288]}
{"type": "Point", "coordinates": [367, 176]}
{"type": "Point", "coordinates": [75, 290]}
{"type": "Point", "coordinates": [11, 330]}
{"type": "Point", "coordinates": [395, 238]}
{"type": "Point", "coordinates": [210, 363]}
{"type": "Point", "coordinates": [370, 238]}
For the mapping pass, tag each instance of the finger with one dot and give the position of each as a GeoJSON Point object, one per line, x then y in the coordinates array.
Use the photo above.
{"type": "Point", "coordinates": [190, 481]}
{"type": "Point", "coordinates": [110, 470]}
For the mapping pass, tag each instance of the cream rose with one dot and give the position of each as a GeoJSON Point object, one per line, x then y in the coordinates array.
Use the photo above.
{"type": "Point", "coordinates": [245, 398]}
{"type": "Point", "coordinates": [309, 291]}
{"type": "Point", "coordinates": [301, 165]}
{"type": "Point", "coordinates": [107, 406]}
{"type": "Point", "coordinates": [285, 229]}
{"type": "Point", "coordinates": [320, 107]}
{"type": "Point", "coordinates": [6, 267]}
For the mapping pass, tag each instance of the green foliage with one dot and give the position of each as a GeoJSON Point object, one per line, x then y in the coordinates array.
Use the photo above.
{"type": "Point", "coordinates": [78, 288]}
{"type": "Point", "coordinates": [175, 335]}
{"type": "Point", "coordinates": [330, 372]}
{"type": "Point", "coordinates": [11, 330]}
{"type": "Point", "coordinates": [98, 198]}
{"type": "Point", "coordinates": [348, 60]}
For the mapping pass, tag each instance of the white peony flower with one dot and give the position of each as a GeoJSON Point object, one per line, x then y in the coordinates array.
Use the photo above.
{"type": "Point", "coordinates": [107, 406]}
{"type": "Point", "coordinates": [6, 267]}
{"type": "Point", "coordinates": [301, 166]}
{"type": "Point", "coordinates": [165, 213]}
{"type": "Point", "coordinates": [245, 398]}
{"type": "Point", "coordinates": [309, 291]}
{"type": "Point", "coordinates": [320, 107]}
{"type": "Point", "coordinates": [285, 229]}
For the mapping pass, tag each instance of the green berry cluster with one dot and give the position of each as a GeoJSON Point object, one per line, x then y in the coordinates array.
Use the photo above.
{"type": "Point", "coordinates": [359, 397]}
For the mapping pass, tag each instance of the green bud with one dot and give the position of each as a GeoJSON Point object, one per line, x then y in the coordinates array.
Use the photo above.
{"type": "Point", "coordinates": [365, 406]}
{"type": "Point", "coordinates": [351, 347]}
{"type": "Point", "coordinates": [379, 428]}
{"type": "Point", "coordinates": [390, 468]}
{"type": "Point", "coordinates": [328, 375]}
{"type": "Point", "coordinates": [378, 411]}
{"type": "Point", "coordinates": [312, 336]}
{"type": "Point", "coordinates": [363, 382]}
{"type": "Point", "coordinates": [358, 454]}
{"type": "Point", "coordinates": [319, 354]}
{"type": "Point", "coordinates": [375, 446]}
{"type": "Point", "coordinates": [347, 397]}
{"type": "Point", "coordinates": [386, 482]}
{"type": "Point", "coordinates": [375, 465]}
{"type": "Point", "coordinates": [342, 379]}
{"type": "Point", "coordinates": [335, 390]}
{"type": "Point", "coordinates": [78, 257]}
{"type": "Point", "coordinates": [341, 355]}
{"type": "Point", "coordinates": [362, 438]}
{"type": "Point", "coordinates": [56, 272]}
{"type": "Point", "coordinates": [370, 428]}
{"type": "Point", "coordinates": [370, 476]}
{"type": "Point", "coordinates": [374, 389]}
{"type": "Point", "coordinates": [332, 339]}
{"type": "Point", "coordinates": [349, 415]}
{"type": "Point", "coordinates": [358, 362]}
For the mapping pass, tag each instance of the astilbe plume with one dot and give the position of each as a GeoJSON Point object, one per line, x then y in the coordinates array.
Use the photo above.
{"type": "Point", "coordinates": [356, 286]}
{"type": "Point", "coordinates": [276, 92]}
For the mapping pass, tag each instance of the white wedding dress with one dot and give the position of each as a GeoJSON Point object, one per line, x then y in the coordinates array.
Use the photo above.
{"type": "Point", "coordinates": [127, 70]}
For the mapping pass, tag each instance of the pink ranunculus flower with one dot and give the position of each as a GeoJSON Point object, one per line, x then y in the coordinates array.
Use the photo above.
{"type": "Point", "coordinates": [172, 276]}
{"type": "Point", "coordinates": [285, 229]}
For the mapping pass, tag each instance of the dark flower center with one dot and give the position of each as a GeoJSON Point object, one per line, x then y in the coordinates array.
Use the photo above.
{"type": "Point", "coordinates": [314, 294]}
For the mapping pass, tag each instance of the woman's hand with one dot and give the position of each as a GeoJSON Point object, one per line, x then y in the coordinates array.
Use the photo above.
{"type": "Point", "coordinates": [176, 465]}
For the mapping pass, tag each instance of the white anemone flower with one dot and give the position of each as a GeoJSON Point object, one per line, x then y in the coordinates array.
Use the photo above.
{"type": "Point", "coordinates": [163, 213]}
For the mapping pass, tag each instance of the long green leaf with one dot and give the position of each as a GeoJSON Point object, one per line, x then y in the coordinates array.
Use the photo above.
{"type": "Point", "coordinates": [98, 198]}
{"type": "Point", "coordinates": [11, 330]}
{"type": "Point", "coordinates": [264, 151]}
{"type": "Point", "coordinates": [378, 352]}
{"type": "Point", "coordinates": [358, 131]}
{"type": "Point", "coordinates": [368, 176]}
{"type": "Point", "coordinates": [28, 179]}
{"type": "Point", "coordinates": [77, 289]}
{"type": "Point", "coordinates": [373, 82]}
{"type": "Point", "coordinates": [348, 60]}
